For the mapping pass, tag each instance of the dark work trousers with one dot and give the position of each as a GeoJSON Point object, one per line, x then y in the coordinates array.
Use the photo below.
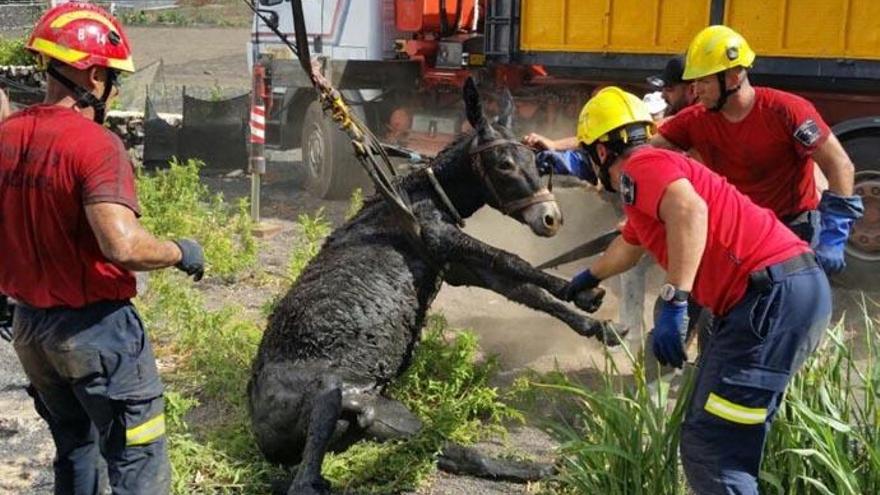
{"type": "Point", "coordinates": [743, 372]}
{"type": "Point", "coordinates": [94, 380]}
{"type": "Point", "coordinates": [806, 226]}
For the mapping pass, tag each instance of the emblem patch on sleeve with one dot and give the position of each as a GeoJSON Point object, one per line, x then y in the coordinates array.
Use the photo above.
{"type": "Point", "coordinates": [627, 189]}
{"type": "Point", "coordinates": [808, 133]}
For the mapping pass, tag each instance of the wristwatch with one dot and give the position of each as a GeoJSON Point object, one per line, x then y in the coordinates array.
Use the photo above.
{"type": "Point", "coordinates": [670, 293]}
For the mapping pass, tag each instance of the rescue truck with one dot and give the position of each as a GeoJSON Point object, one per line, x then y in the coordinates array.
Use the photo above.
{"type": "Point", "coordinates": [401, 64]}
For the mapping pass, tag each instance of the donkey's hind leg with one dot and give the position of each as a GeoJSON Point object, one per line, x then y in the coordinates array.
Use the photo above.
{"type": "Point", "coordinates": [323, 418]}
{"type": "Point", "coordinates": [385, 419]}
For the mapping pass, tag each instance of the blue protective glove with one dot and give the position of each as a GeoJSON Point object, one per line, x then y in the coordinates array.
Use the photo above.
{"type": "Point", "coordinates": [571, 162]}
{"type": "Point", "coordinates": [582, 281]}
{"type": "Point", "coordinates": [839, 213]}
{"type": "Point", "coordinates": [670, 332]}
{"type": "Point", "coordinates": [584, 292]}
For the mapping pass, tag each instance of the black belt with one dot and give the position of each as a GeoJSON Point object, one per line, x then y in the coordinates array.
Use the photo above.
{"type": "Point", "coordinates": [764, 278]}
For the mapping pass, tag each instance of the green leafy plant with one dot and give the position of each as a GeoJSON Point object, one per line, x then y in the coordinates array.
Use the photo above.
{"type": "Point", "coordinates": [13, 52]}
{"type": "Point", "coordinates": [134, 18]}
{"type": "Point", "coordinates": [175, 203]}
{"type": "Point", "coordinates": [355, 203]}
{"type": "Point", "coordinates": [621, 436]}
{"type": "Point", "coordinates": [216, 92]}
{"type": "Point", "coordinates": [314, 229]}
{"type": "Point", "coordinates": [212, 352]}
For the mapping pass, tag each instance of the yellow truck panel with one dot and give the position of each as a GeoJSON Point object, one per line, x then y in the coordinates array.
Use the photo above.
{"type": "Point", "coordinates": [628, 26]}
{"type": "Point", "coordinates": [808, 28]}
{"type": "Point", "coordinates": [783, 28]}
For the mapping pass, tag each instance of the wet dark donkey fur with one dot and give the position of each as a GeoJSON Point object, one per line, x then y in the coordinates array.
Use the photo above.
{"type": "Point", "coordinates": [351, 321]}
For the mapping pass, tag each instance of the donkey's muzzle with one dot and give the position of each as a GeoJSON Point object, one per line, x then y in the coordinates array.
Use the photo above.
{"type": "Point", "coordinates": [544, 217]}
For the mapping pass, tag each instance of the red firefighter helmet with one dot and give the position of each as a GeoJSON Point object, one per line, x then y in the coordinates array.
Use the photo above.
{"type": "Point", "coordinates": [82, 35]}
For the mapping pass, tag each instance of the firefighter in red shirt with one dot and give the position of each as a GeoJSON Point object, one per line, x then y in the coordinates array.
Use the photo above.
{"type": "Point", "coordinates": [765, 142]}
{"type": "Point", "coordinates": [771, 299]}
{"type": "Point", "coordinates": [68, 211]}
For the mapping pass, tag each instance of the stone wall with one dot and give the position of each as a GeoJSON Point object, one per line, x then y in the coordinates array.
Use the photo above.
{"type": "Point", "coordinates": [19, 16]}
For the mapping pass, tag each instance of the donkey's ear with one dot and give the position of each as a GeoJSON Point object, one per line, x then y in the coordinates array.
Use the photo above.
{"type": "Point", "coordinates": [473, 106]}
{"type": "Point", "coordinates": [507, 108]}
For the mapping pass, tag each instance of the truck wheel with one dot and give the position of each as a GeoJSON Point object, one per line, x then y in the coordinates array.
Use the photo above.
{"type": "Point", "coordinates": [332, 171]}
{"type": "Point", "coordinates": [863, 250]}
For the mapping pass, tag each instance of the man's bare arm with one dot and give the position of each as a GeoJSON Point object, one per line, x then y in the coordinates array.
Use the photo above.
{"type": "Point", "coordinates": [544, 143]}
{"type": "Point", "coordinates": [836, 165]}
{"type": "Point", "coordinates": [686, 217]}
{"type": "Point", "coordinates": [125, 242]}
{"type": "Point", "coordinates": [618, 258]}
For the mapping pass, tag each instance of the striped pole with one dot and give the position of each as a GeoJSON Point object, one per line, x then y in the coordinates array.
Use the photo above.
{"type": "Point", "coordinates": [257, 138]}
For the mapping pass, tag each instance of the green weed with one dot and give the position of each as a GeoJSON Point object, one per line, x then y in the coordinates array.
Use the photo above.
{"type": "Point", "coordinates": [355, 203]}
{"type": "Point", "coordinates": [176, 204]}
{"type": "Point", "coordinates": [826, 438]}
{"type": "Point", "coordinates": [624, 435]}
{"type": "Point", "coordinates": [213, 351]}
{"type": "Point", "coordinates": [618, 436]}
{"type": "Point", "coordinates": [134, 18]}
{"type": "Point", "coordinates": [13, 52]}
{"type": "Point", "coordinates": [314, 229]}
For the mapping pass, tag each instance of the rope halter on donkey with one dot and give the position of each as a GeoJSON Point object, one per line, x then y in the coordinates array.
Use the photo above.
{"type": "Point", "coordinates": [509, 208]}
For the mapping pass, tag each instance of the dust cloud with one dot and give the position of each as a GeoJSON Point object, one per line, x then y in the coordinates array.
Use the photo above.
{"type": "Point", "coordinates": [520, 336]}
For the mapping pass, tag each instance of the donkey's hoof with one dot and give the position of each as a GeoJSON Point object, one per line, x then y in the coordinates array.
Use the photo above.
{"type": "Point", "coordinates": [611, 334]}
{"type": "Point", "coordinates": [313, 487]}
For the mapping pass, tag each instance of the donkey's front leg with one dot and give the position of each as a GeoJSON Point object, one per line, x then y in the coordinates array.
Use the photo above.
{"type": "Point", "coordinates": [538, 299]}
{"type": "Point", "coordinates": [452, 245]}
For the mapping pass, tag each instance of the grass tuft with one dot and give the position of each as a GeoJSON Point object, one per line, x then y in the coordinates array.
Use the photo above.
{"type": "Point", "coordinates": [314, 229]}
{"type": "Point", "coordinates": [176, 204]}
{"type": "Point", "coordinates": [13, 52]}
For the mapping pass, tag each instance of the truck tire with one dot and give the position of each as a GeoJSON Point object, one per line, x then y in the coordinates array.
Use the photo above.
{"type": "Point", "coordinates": [332, 171]}
{"type": "Point", "coordinates": [863, 250]}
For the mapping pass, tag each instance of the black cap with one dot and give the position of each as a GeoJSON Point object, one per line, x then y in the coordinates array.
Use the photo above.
{"type": "Point", "coordinates": [671, 73]}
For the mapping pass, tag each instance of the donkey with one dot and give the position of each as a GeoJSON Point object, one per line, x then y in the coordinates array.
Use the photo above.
{"type": "Point", "coordinates": [350, 323]}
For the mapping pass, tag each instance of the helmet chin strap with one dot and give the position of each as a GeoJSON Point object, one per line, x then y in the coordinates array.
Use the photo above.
{"type": "Point", "coordinates": [84, 98]}
{"type": "Point", "coordinates": [725, 93]}
{"type": "Point", "coordinates": [604, 166]}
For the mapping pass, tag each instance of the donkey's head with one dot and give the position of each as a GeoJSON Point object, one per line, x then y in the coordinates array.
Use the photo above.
{"type": "Point", "coordinates": [507, 167]}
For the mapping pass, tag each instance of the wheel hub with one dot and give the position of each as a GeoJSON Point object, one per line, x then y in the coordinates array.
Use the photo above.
{"type": "Point", "coordinates": [315, 158]}
{"type": "Point", "coordinates": [864, 241]}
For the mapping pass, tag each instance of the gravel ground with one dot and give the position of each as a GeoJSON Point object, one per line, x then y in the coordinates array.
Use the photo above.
{"type": "Point", "coordinates": [25, 445]}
